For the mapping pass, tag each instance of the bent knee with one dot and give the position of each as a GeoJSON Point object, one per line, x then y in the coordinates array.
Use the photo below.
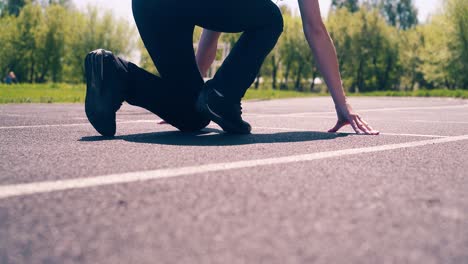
{"type": "Point", "coordinates": [277, 22]}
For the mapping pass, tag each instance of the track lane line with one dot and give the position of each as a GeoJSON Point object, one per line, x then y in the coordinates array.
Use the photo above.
{"type": "Point", "coordinates": [438, 122]}
{"type": "Point", "coordinates": [8, 191]}
{"type": "Point", "coordinates": [384, 134]}
{"type": "Point", "coordinates": [306, 114]}
{"type": "Point", "coordinates": [76, 124]}
{"type": "Point", "coordinates": [156, 122]}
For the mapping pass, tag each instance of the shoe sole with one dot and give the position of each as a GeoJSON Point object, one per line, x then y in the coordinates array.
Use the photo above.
{"type": "Point", "coordinates": [98, 113]}
{"type": "Point", "coordinates": [228, 127]}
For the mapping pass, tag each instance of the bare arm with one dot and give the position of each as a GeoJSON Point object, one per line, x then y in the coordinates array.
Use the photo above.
{"type": "Point", "coordinates": [207, 48]}
{"type": "Point", "coordinates": [324, 51]}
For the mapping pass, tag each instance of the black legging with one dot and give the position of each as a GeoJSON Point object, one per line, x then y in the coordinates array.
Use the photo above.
{"type": "Point", "coordinates": [166, 27]}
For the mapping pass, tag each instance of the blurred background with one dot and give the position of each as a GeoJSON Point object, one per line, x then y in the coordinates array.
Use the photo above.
{"type": "Point", "coordinates": [383, 46]}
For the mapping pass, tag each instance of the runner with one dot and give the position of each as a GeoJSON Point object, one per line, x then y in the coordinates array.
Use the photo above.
{"type": "Point", "coordinates": [166, 27]}
{"type": "Point", "coordinates": [324, 51]}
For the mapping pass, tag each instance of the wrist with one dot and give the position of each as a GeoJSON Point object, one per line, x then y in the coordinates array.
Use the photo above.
{"type": "Point", "coordinates": [342, 102]}
{"type": "Point", "coordinates": [338, 95]}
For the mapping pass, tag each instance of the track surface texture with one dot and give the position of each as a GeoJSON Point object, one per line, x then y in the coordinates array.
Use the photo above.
{"type": "Point", "coordinates": [288, 193]}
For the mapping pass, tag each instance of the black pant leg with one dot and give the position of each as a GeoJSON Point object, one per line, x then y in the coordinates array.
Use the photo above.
{"type": "Point", "coordinates": [173, 95]}
{"type": "Point", "coordinates": [261, 23]}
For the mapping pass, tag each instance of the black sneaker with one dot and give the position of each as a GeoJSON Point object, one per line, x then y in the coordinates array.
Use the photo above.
{"type": "Point", "coordinates": [104, 91]}
{"type": "Point", "coordinates": [226, 113]}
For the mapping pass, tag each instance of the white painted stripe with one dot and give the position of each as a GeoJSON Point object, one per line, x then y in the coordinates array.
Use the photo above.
{"type": "Point", "coordinates": [13, 115]}
{"type": "Point", "coordinates": [310, 115]}
{"type": "Point", "coordinates": [283, 129]}
{"type": "Point", "coordinates": [78, 124]}
{"type": "Point", "coordinates": [43, 126]}
{"type": "Point", "coordinates": [413, 135]}
{"type": "Point", "coordinates": [385, 134]}
{"type": "Point", "coordinates": [417, 108]}
{"type": "Point", "coordinates": [7, 191]}
{"type": "Point", "coordinates": [304, 114]}
{"type": "Point", "coordinates": [439, 122]}
{"type": "Point", "coordinates": [314, 114]}
{"type": "Point", "coordinates": [156, 122]}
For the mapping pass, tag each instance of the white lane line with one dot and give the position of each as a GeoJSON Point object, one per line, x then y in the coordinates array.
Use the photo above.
{"type": "Point", "coordinates": [413, 135]}
{"type": "Point", "coordinates": [12, 115]}
{"type": "Point", "coordinates": [439, 122]}
{"type": "Point", "coordinates": [385, 134]}
{"type": "Point", "coordinates": [418, 108]}
{"type": "Point", "coordinates": [78, 124]}
{"type": "Point", "coordinates": [311, 115]}
{"type": "Point", "coordinates": [156, 122]}
{"type": "Point", "coordinates": [43, 126]}
{"type": "Point", "coordinates": [8, 191]}
{"type": "Point", "coordinates": [304, 114]}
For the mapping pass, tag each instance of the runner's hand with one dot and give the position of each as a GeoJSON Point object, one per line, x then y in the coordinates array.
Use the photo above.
{"type": "Point", "coordinates": [346, 116]}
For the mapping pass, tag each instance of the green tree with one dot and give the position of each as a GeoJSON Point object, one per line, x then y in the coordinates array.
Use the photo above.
{"type": "Point", "coordinates": [51, 47]}
{"type": "Point", "coordinates": [14, 7]}
{"type": "Point", "coordinates": [26, 42]}
{"type": "Point", "coordinates": [367, 48]}
{"type": "Point", "coordinates": [64, 3]}
{"type": "Point", "coordinates": [272, 65]}
{"type": "Point", "coordinates": [435, 53]}
{"type": "Point", "coordinates": [445, 51]}
{"type": "Point", "coordinates": [342, 26]}
{"type": "Point", "coordinates": [296, 56]}
{"type": "Point", "coordinates": [92, 30]}
{"type": "Point", "coordinates": [457, 17]}
{"type": "Point", "coordinates": [287, 51]}
{"type": "Point", "coordinates": [273, 62]}
{"type": "Point", "coordinates": [400, 13]}
{"type": "Point", "coordinates": [351, 5]}
{"type": "Point", "coordinates": [7, 38]}
{"type": "Point", "coordinates": [411, 41]}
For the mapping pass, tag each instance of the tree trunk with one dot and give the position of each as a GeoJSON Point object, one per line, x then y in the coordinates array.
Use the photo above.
{"type": "Point", "coordinates": [31, 76]}
{"type": "Point", "coordinates": [413, 78]}
{"type": "Point", "coordinates": [274, 71]}
{"type": "Point", "coordinates": [359, 81]}
{"type": "Point", "coordinates": [297, 85]}
{"type": "Point", "coordinates": [43, 73]}
{"type": "Point", "coordinates": [386, 76]}
{"type": "Point", "coordinates": [257, 81]}
{"type": "Point", "coordinates": [286, 76]}
{"type": "Point", "coordinates": [314, 75]}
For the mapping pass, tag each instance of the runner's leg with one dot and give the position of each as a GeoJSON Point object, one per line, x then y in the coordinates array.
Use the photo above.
{"type": "Point", "coordinates": [173, 95]}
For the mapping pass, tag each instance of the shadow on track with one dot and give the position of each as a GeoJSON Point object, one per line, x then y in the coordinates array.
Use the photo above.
{"type": "Point", "coordinates": [214, 137]}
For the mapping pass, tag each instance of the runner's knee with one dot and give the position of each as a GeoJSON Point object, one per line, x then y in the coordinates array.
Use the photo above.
{"type": "Point", "coordinates": [276, 19]}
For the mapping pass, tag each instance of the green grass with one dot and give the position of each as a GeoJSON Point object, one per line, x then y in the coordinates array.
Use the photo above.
{"type": "Point", "coordinates": [42, 93]}
{"type": "Point", "coordinates": [68, 93]}
{"type": "Point", "coordinates": [266, 94]}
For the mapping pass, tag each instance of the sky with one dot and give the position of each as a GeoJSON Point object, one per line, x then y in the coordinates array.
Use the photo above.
{"type": "Point", "coordinates": [122, 8]}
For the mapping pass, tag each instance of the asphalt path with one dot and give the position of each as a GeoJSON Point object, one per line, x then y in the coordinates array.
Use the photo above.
{"type": "Point", "coordinates": [288, 193]}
